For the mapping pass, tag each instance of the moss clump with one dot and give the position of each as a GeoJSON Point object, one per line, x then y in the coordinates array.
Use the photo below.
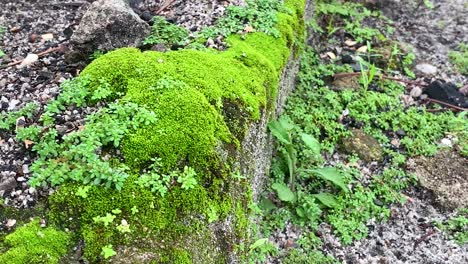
{"type": "Point", "coordinates": [188, 129]}
{"type": "Point", "coordinates": [150, 217]}
{"type": "Point", "coordinates": [34, 244]}
{"type": "Point", "coordinates": [178, 256]}
{"type": "Point", "coordinates": [187, 90]}
{"type": "Point", "coordinates": [246, 74]}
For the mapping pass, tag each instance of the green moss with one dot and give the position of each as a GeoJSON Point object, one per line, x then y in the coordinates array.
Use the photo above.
{"type": "Point", "coordinates": [188, 129]}
{"type": "Point", "coordinates": [34, 244]}
{"type": "Point", "coordinates": [168, 218]}
{"type": "Point", "coordinates": [189, 92]}
{"type": "Point", "coordinates": [178, 256]}
{"type": "Point", "coordinates": [246, 74]}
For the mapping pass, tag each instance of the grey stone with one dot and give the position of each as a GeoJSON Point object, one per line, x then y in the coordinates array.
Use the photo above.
{"type": "Point", "coordinates": [416, 92]}
{"type": "Point", "coordinates": [426, 69]}
{"type": "Point", "coordinates": [7, 184]}
{"type": "Point", "coordinates": [107, 25]}
{"type": "Point", "coordinates": [362, 144]}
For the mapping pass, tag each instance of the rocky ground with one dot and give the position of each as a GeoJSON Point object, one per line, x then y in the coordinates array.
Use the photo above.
{"type": "Point", "coordinates": [409, 236]}
{"type": "Point", "coordinates": [32, 27]}
{"type": "Point", "coordinates": [431, 32]}
{"type": "Point", "coordinates": [35, 26]}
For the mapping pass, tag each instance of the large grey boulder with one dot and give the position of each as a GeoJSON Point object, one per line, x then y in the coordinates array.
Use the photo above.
{"type": "Point", "coordinates": [108, 25]}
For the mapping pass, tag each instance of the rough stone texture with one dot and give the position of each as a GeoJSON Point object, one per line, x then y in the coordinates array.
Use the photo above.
{"type": "Point", "coordinates": [257, 146]}
{"type": "Point", "coordinates": [107, 25]}
{"type": "Point", "coordinates": [7, 184]}
{"type": "Point", "coordinates": [365, 146]}
{"type": "Point", "coordinates": [346, 82]}
{"type": "Point", "coordinates": [446, 174]}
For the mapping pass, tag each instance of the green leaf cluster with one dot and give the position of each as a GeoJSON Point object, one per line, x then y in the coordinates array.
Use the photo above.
{"type": "Point", "coordinates": [167, 34]}
{"type": "Point", "coordinates": [348, 16]}
{"type": "Point", "coordinates": [456, 227]}
{"type": "Point", "coordinates": [460, 58]}
{"type": "Point", "coordinates": [306, 204]}
{"type": "Point", "coordinates": [260, 15]}
{"type": "Point", "coordinates": [8, 120]}
{"type": "Point", "coordinates": [160, 182]}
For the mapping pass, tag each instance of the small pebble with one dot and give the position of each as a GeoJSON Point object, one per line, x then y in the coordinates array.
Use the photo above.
{"type": "Point", "coordinates": [10, 223]}
{"type": "Point", "coordinates": [426, 69]}
{"type": "Point", "coordinates": [416, 92]}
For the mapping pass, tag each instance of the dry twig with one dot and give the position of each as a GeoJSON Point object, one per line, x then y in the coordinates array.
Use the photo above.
{"type": "Point", "coordinates": [454, 107]}
{"type": "Point", "coordinates": [165, 6]}
{"type": "Point", "coordinates": [40, 54]}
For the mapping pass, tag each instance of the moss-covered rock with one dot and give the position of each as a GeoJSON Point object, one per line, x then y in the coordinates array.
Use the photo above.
{"type": "Point", "coordinates": [33, 244]}
{"type": "Point", "coordinates": [193, 94]}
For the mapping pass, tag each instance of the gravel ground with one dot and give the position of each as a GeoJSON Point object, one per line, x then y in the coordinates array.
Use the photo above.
{"type": "Point", "coordinates": [409, 236]}
{"type": "Point", "coordinates": [432, 32]}
{"type": "Point", "coordinates": [32, 27]}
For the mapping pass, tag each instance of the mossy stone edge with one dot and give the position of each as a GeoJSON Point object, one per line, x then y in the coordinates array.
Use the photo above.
{"type": "Point", "coordinates": [205, 126]}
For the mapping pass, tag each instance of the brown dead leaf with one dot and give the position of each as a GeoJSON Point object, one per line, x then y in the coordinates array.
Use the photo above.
{"type": "Point", "coordinates": [395, 142]}
{"type": "Point", "coordinates": [362, 49]}
{"type": "Point", "coordinates": [28, 143]}
{"type": "Point", "coordinates": [350, 43]}
{"type": "Point", "coordinates": [331, 55]}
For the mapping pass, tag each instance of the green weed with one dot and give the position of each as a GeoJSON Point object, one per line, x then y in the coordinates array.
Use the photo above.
{"type": "Point", "coordinates": [349, 17]}
{"type": "Point", "coordinates": [167, 34]}
{"type": "Point", "coordinates": [460, 58]}
{"type": "Point", "coordinates": [456, 227]}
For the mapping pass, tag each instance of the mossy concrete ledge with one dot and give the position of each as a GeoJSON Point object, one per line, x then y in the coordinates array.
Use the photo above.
{"type": "Point", "coordinates": [212, 110]}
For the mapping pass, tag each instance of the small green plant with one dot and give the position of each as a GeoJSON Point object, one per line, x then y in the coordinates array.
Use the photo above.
{"type": "Point", "coordinates": [108, 251]}
{"type": "Point", "coordinates": [212, 215]}
{"type": "Point", "coordinates": [134, 210]}
{"type": "Point", "coordinates": [306, 205]}
{"type": "Point", "coordinates": [349, 16]}
{"type": "Point", "coordinates": [8, 120]}
{"type": "Point", "coordinates": [456, 227]}
{"type": "Point", "coordinates": [259, 15]}
{"type": "Point", "coordinates": [428, 4]}
{"type": "Point", "coordinates": [124, 227]}
{"type": "Point", "coordinates": [367, 76]}
{"type": "Point", "coordinates": [81, 149]}
{"type": "Point", "coordinates": [2, 31]}
{"type": "Point", "coordinates": [96, 54]}
{"type": "Point", "coordinates": [167, 34]}
{"type": "Point", "coordinates": [105, 220]}
{"type": "Point", "coordinates": [460, 58]}
{"type": "Point", "coordinates": [160, 182]}
{"type": "Point", "coordinates": [83, 191]}
{"type": "Point", "coordinates": [262, 248]}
